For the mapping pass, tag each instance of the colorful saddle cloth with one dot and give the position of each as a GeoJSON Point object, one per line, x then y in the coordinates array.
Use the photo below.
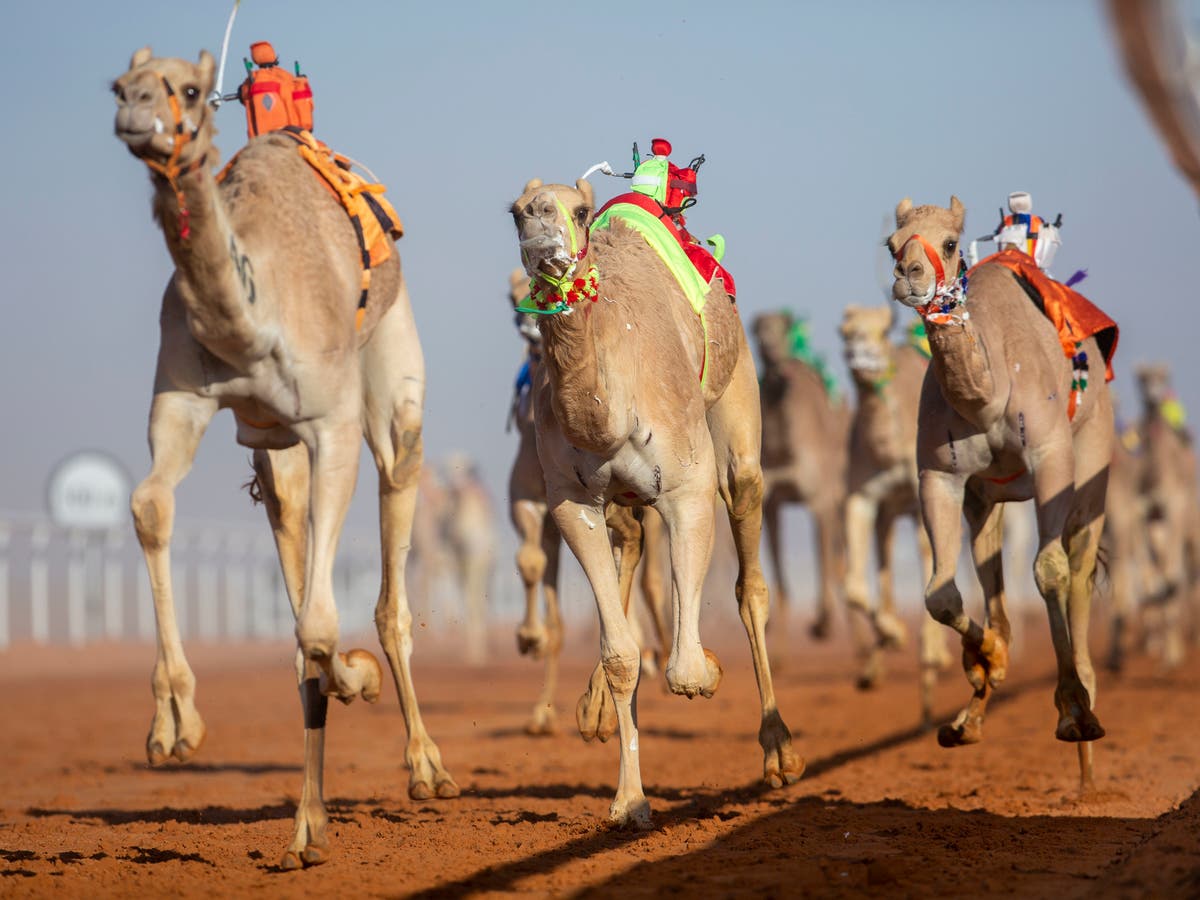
{"type": "Point", "coordinates": [693, 266]}
{"type": "Point", "coordinates": [1073, 315]}
{"type": "Point", "coordinates": [375, 221]}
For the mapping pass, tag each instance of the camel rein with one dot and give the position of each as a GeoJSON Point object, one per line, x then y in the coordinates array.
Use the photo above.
{"type": "Point", "coordinates": [171, 170]}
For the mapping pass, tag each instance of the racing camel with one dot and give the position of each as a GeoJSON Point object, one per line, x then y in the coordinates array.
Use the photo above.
{"type": "Point", "coordinates": [1005, 415]}
{"type": "Point", "coordinates": [260, 318]}
{"type": "Point", "coordinates": [644, 402]}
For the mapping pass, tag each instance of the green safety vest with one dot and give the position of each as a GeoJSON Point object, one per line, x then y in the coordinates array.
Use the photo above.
{"type": "Point", "coordinates": [650, 178]}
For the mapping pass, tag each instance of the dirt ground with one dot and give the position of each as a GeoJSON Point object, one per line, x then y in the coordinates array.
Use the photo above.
{"type": "Point", "coordinates": [881, 810]}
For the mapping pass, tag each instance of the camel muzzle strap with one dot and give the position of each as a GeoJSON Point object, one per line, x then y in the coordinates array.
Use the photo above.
{"type": "Point", "coordinates": [946, 297]}
{"type": "Point", "coordinates": [171, 170]}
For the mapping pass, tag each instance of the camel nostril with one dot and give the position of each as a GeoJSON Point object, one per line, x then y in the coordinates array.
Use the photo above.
{"type": "Point", "coordinates": [916, 270]}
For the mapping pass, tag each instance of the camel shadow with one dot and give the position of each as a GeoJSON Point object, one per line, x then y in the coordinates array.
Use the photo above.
{"type": "Point", "coordinates": [211, 768]}
{"type": "Point", "coordinates": [204, 815]}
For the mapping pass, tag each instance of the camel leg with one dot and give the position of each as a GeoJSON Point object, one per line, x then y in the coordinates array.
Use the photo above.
{"type": "Point", "coordinates": [653, 540]}
{"type": "Point", "coordinates": [828, 525]}
{"type": "Point", "coordinates": [283, 479]}
{"type": "Point", "coordinates": [773, 515]}
{"type": "Point", "coordinates": [1084, 546]}
{"type": "Point", "coordinates": [942, 509]}
{"type": "Point", "coordinates": [583, 529]}
{"type": "Point", "coordinates": [333, 450]}
{"type": "Point", "coordinates": [177, 422]}
{"type": "Point", "coordinates": [1120, 576]}
{"type": "Point", "coordinates": [1052, 571]}
{"type": "Point", "coordinates": [860, 517]}
{"type": "Point", "coordinates": [528, 516]}
{"type": "Point", "coordinates": [476, 568]}
{"type": "Point", "coordinates": [393, 401]}
{"type": "Point", "coordinates": [888, 625]}
{"type": "Point", "coordinates": [934, 655]}
{"type": "Point", "coordinates": [595, 714]}
{"type": "Point", "coordinates": [737, 434]}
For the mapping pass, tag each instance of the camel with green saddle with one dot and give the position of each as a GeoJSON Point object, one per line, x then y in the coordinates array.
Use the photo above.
{"type": "Point", "coordinates": [1005, 416]}
{"type": "Point", "coordinates": [882, 487]}
{"type": "Point", "coordinates": [540, 633]}
{"type": "Point", "coordinates": [804, 429]}
{"type": "Point", "coordinates": [260, 318]}
{"type": "Point", "coordinates": [647, 398]}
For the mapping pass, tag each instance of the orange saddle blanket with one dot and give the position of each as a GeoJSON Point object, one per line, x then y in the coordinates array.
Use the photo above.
{"type": "Point", "coordinates": [1073, 315]}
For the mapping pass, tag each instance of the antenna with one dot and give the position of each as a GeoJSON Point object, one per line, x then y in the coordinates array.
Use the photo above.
{"type": "Point", "coordinates": [216, 98]}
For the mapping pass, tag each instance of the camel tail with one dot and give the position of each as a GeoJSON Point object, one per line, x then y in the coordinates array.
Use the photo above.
{"type": "Point", "coordinates": [253, 487]}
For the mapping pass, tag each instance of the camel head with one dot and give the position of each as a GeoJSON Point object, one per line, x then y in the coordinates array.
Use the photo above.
{"type": "Point", "coordinates": [868, 349]}
{"type": "Point", "coordinates": [162, 113]}
{"type": "Point", "coordinates": [552, 224]}
{"type": "Point", "coordinates": [925, 248]}
{"type": "Point", "coordinates": [1154, 383]}
{"type": "Point", "coordinates": [772, 334]}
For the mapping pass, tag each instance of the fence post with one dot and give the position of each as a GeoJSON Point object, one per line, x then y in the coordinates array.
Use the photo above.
{"type": "Point", "coordinates": [114, 598]}
{"type": "Point", "coordinates": [39, 584]}
{"type": "Point", "coordinates": [77, 587]}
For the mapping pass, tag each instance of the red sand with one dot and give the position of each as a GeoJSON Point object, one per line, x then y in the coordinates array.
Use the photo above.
{"type": "Point", "coordinates": [881, 810]}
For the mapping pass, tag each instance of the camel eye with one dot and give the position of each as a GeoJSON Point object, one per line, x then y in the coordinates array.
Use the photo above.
{"type": "Point", "coordinates": [581, 215]}
{"type": "Point", "coordinates": [950, 247]}
{"type": "Point", "coordinates": [191, 92]}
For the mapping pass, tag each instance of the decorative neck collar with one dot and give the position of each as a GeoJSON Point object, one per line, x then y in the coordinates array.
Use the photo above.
{"type": "Point", "coordinates": [549, 296]}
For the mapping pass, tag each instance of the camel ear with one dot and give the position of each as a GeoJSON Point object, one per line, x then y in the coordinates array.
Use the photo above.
{"type": "Point", "coordinates": [589, 197]}
{"type": "Point", "coordinates": [903, 208]}
{"type": "Point", "coordinates": [141, 57]}
{"type": "Point", "coordinates": [207, 67]}
{"type": "Point", "coordinates": [958, 210]}
{"type": "Point", "coordinates": [531, 184]}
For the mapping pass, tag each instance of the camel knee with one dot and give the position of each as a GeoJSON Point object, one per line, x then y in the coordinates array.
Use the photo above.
{"type": "Point", "coordinates": [944, 603]}
{"type": "Point", "coordinates": [153, 508]}
{"type": "Point", "coordinates": [745, 485]}
{"type": "Point", "coordinates": [531, 563]}
{"type": "Point", "coordinates": [1052, 572]}
{"type": "Point", "coordinates": [392, 622]}
{"type": "Point", "coordinates": [753, 598]}
{"type": "Point", "coordinates": [621, 672]}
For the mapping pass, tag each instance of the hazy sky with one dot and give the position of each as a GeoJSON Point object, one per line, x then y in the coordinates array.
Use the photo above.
{"type": "Point", "coordinates": [815, 118]}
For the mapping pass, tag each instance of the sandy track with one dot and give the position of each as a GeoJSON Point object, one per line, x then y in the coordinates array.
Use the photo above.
{"type": "Point", "coordinates": [881, 809]}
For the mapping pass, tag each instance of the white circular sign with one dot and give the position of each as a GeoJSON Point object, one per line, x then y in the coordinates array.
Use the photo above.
{"type": "Point", "coordinates": [89, 490]}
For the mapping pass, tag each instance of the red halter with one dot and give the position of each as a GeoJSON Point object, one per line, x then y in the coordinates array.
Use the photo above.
{"type": "Point", "coordinates": [930, 254]}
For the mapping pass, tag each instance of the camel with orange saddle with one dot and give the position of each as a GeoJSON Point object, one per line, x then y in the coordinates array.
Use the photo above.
{"type": "Point", "coordinates": [1015, 406]}
{"type": "Point", "coordinates": [280, 311]}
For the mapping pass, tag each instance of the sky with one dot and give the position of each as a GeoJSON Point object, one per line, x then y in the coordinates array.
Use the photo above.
{"type": "Point", "coordinates": [816, 119]}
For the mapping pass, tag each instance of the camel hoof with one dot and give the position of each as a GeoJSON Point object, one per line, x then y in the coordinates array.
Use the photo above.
{"type": "Point", "coordinates": [893, 635]}
{"type": "Point", "coordinates": [790, 771]}
{"type": "Point", "coordinates": [156, 754]}
{"type": "Point", "coordinates": [419, 790]}
{"type": "Point", "coordinates": [290, 861]}
{"type": "Point", "coordinates": [447, 789]}
{"type": "Point", "coordinates": [1086, 728]}
{"type": "Point", "coordinates": [970, 732]}
{"type": "Point", "coordinates": [543, 723]}
{"type": "Point", "coordinates": [633, 815]}
{"type": "Point", "coordinates": [821, 629]}
{"type": "Point", "coordinates": [532, 640]}
{"type": "Point", "coordinates": [868, 681]}
{"type": "Point", "coordinates": [184, 749]}
{"type": "Point", "coordinates": [314, 855]}
{"type": "Point", "coordinates": [595, 716]}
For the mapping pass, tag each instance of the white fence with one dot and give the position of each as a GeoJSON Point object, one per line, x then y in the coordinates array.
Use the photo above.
{"type": "Point", "coordinates": [76, 587]}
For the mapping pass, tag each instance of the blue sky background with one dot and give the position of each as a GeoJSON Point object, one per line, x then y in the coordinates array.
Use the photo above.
{"type": "Point", "coordinates": [815, 118]}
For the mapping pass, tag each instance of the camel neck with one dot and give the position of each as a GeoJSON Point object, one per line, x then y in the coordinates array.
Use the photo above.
{"type": "Point", "coordinates": [580, 395]}
{"type": "Point", "coordinates": [960, 364]}
{"type": "Point", "coordinates": [213, 275]}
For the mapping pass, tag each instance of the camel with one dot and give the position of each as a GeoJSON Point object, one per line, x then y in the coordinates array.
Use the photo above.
{"type": "Point", "coordinates": [260, 318]}
{"type": "Point", "coordinates": [537, 556]}
{"type": "Point", "coordinates": [882, 486]}
{"type": "Point", "coordinates": [640, 401]}
{"type": "Point", "coordinates": [1168, 488]}
{"type": "Point", "coordinates": [803, 458]}
{"type": "Point", "coordinates": [1126, 541]}
{"type": "Point", "coordinates": [471, 538]}
{"type": "Point", "coordinates": [429, 557]}
{"type": "Point", "coordinates": [995, 426]}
